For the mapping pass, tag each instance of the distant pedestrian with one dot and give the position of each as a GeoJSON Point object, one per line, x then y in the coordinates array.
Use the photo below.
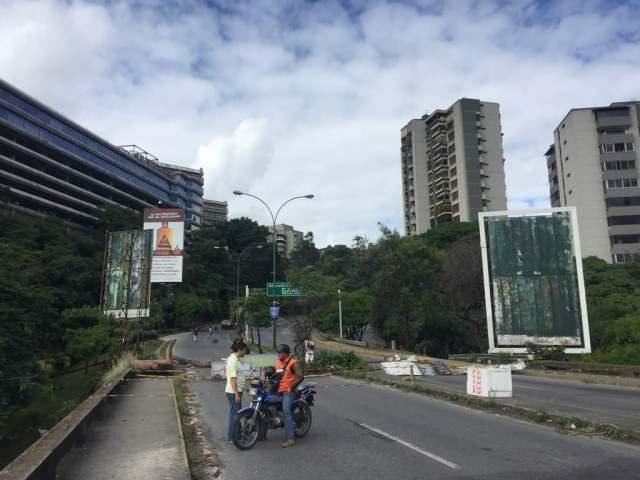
{"type": "Point", "coordinates": [195, 334]}
{"type": "Point", "coordinates": [235, 383]}
{"type": "Point", "coordinates": [309, 351]}
{"type": "Point", "coordinates": [210, 330]}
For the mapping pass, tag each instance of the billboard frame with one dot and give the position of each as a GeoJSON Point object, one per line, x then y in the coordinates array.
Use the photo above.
{"type": "Point", "coordinates": [488, 290]}
{"type": "Point", "coordinates": [128, 264]}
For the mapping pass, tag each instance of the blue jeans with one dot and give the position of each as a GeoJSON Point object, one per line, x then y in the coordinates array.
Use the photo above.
{"type": "Point", "coordinates": [287, 402]}
{"type": "Point", "coordinates": [233, 412]}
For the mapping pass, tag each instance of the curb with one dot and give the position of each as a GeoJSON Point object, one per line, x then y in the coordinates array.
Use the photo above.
{"type": "Point", "coordinates": [183, 446]}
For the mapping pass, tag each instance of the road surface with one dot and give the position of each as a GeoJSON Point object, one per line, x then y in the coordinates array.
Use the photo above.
{"type": "Point", "coordinates": [362, 431]}
{"type": "Point", "coordinates": [595, 402]}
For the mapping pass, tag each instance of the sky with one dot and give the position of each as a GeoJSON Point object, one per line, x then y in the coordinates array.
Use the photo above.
{"type": "Point", "coordinates": [282, 98]}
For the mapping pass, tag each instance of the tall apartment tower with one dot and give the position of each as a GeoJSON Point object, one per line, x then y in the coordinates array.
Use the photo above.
{"type": "Point", "coordinates": [452, 165]}
{"type": "Point", "coordinates": [592, 165]}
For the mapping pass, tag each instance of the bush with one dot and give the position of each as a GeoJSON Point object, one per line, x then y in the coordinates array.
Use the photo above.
{"type": "Point", "coordinates": [543, 352]}
{"type": "Point", "coordinates": [621, 354]}
{"type": "Point", "coordinates": [343, 360]}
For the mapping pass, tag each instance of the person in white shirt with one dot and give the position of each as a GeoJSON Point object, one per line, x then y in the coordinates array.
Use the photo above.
{"type": "Point", "coordinates": [235, 383]}
{"type": "Point", "coordinates": [310, 351]}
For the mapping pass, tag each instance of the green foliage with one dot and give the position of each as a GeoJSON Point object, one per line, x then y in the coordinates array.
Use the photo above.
{"type": "Point", "coordinates": [255, 309]}
{"type": "Point", "coordinates": [445, 235]}
{"type": "Point", "coordinates": [340, 360]}
{"type": "Point", "coordinates": [542, 352]}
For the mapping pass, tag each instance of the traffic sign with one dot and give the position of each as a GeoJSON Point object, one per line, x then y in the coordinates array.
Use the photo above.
{"type": "Point", "coordinates": [283, 289]}
{"type": "Point", "coordinates": [274, 312]}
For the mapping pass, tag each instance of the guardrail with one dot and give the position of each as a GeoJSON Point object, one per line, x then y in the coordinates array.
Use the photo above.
{"type": "Point", "coordinates": [588, 367]}
{"type": "Point", "coordinates": [352, 342]}
{"type": "Point", "coordinates": [39, 461]}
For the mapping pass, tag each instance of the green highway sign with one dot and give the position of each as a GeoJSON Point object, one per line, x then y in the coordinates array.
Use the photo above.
{"type": "Point", "coordinates": [283, 289]}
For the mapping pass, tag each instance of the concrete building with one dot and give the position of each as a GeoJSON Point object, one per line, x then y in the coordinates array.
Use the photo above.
{"type": "Point", "coordinates": [287, 239]}
{"type": "Point", "coordinates": [452, 165]}
{"type": "Point", "coordinates": [51, 166]}
{"type": "Point", "coordinates": [214, 212]}
{"type": "Point", "coordinates": [592, 165]}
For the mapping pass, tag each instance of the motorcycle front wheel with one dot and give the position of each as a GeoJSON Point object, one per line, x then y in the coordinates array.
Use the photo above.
{"type": "Point", "coordinates": [301, 419]}
{"type": "Point", "coordinates": [246, 431]}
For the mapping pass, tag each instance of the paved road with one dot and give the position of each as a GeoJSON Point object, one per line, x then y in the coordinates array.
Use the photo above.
{"type": "Point", "coordinates": [363, 431]}
{"type": "Point", "coordinates": [601, 403]}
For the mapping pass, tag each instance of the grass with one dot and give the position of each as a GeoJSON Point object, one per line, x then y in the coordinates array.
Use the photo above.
{"type": "Point", "coordinates": [149, 348]}
{"type": "Point", "coordinates": [198, 462]}
{"type": "Point", "coordinates": [565, 424]}
{"type": "Point", "coordinates": [50, 404]}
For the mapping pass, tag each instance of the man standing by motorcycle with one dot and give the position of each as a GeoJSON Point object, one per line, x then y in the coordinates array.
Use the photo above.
{"type": "Point", "coordinates": [291, 377]}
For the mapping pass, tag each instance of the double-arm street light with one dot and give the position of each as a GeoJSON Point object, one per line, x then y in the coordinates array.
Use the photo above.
{"type": "Point", "coordinates": [237, 256]}
{"type": "Point", "coordinates": [274, 218]}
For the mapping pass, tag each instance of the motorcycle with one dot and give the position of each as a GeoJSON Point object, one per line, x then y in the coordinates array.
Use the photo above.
{"type": "Point", "coordinates": [265, 413]}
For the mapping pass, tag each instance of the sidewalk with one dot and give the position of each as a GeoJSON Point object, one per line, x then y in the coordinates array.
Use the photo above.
{"type": "Point", "coordinates": [137, 438]}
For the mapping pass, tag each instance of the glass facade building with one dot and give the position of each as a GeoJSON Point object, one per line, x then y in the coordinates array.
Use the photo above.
{"type": "Point", "coordinates": [50, 166]}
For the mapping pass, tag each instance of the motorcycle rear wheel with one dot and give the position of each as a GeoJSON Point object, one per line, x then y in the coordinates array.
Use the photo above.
{"type": "Point", "coordinates": [301, 419]}
{"type": "Point", "coordinates": [246, 431]}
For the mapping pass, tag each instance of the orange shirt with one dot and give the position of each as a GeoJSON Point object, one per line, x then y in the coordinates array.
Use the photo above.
{"type": "Point", "coordinates": [289, 378]}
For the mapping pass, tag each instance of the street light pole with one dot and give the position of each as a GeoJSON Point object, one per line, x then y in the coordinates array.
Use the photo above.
{"type": "Point", "coordinates": [340, 311]}
{"type": "Point", "coordinates": [237, 256]}
{"type": "Point", "coordinates": [274, 219]}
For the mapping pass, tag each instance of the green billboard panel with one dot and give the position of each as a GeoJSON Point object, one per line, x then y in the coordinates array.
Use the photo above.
{"type": "Point", "coordinates": [534, 288]}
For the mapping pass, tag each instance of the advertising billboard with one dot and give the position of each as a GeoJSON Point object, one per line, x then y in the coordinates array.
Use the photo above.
{"type": "Point", "coordinates": [126, 286]}
{"type": "Point", "coordinates": [533, 281]}
{"type": "Point", "coordinates": [168, 243]}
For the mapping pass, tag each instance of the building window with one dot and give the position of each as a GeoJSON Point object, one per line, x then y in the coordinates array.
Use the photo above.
{"type": "Point", "coordinates": [624, 220]}
{"type": "Point", "coordinates": [453, 172]}
{"type": "Point", "coordinates": [617, 147]}
{"type": "Point", "coordinates": [618, 239]}
{"type": "Point", "coordinates": [623, 201]}
{"type": "Point", "coordinates": [454, 183]}
{"type": "Point", "coordinates": [454, 196]}
{"type": "Point", "coordinates": [620, 164]}
{"type": "Point", "coordinates": [455, 208]}
{"type": "Point", "coordinates": [622, 183]}
{"type": "Point", "coordinates": [624, 257]}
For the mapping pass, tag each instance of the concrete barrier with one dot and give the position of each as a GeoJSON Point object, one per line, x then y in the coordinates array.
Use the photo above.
{"type": "Point", "coordinates": [39, 461]}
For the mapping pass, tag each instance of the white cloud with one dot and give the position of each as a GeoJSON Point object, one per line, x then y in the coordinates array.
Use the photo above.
{"type": "Point", "coordinates": [284, 98]}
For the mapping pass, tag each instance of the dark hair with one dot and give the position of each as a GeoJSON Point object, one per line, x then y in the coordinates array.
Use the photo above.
{"type": "Point", "coordinates": [238, 345]}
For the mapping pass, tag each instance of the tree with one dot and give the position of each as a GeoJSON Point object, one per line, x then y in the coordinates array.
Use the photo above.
{"type": "Point", "coordinates": [255, 309]}
{"type": "Point", "coordinates": [462, 286]}
{"type": "Point", "coordinates": [446, 235]}
{"type": "Point", "coordinates": [356, 312]}
{"type": "Point", "coordinates": [320, 292]}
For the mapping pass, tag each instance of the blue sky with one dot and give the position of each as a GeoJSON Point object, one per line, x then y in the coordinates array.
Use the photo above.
{"type": "Point", "coordinates": [281, 98]}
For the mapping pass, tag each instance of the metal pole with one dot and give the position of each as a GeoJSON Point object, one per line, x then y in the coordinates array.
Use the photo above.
{"type": "Point", "coordinates": [274, 218]}
{"type": "Point", "coordinates": [238, 289]}
{"type": "Point", "coordinates": [340, 311]}
{"type": "Point", "coordinates": [273, 304]}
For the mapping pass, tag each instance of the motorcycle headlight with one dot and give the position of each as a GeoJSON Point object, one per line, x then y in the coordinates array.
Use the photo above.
{"type": "Point", "coordinates": [253, 391]}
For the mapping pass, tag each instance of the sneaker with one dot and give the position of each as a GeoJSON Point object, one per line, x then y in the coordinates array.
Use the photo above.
{"type": "Point", "coordinates": [290, 442]}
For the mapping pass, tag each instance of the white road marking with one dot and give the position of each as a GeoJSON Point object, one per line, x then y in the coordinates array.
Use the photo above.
{"type": "Point", "coordinates": [413, 447]}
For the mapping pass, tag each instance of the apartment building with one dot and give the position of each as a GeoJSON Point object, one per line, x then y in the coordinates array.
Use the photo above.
{"type": "Point", "coordinates": [287, 239]}
{"type": "Point", "coordinates": [214, 212]}
{"type": "Point", "coordinates": [592, 165]}
{"type": "Point", "coordinates": [452, 165]}
{"type": "Point", "coordinates": [51, 166]}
